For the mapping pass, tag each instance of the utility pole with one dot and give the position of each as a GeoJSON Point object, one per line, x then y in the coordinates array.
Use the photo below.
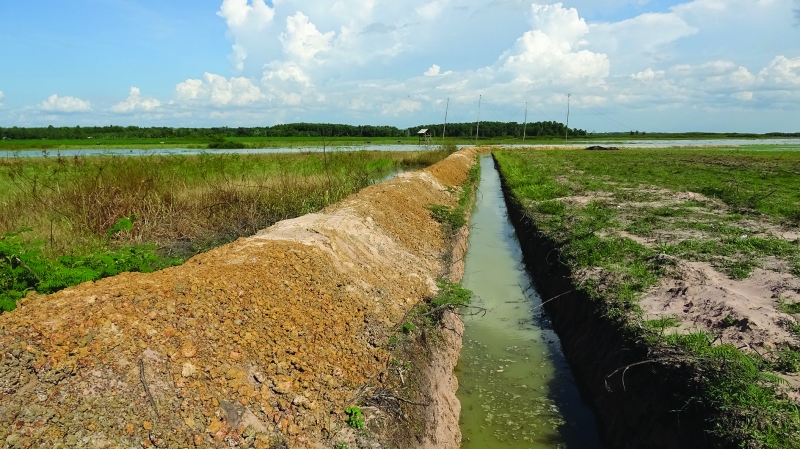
{"type": "Point", "coordinates": [525, 126]}
{"type": "Point", "coordinates": [445, 119]}
{"type": "Point", "coordinates": [566, 133]}
{"type": "Point", "coordinates": [478, 128]}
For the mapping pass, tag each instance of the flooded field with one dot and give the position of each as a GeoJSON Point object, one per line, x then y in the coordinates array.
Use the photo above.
{"type": "Point", "coordinates": [194, 151]}
{"type": "Point", "coordinates": [515, 386]}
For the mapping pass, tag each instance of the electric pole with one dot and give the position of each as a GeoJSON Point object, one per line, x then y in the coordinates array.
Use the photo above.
{"type": "Point", "coordinates": [525, 126]}
{"type": "Point", "coordinates": [566, 133]}
{"type": "Point", "coordinates": [445, 119]}
{"type": "Point", "coordinates": [478, 128]}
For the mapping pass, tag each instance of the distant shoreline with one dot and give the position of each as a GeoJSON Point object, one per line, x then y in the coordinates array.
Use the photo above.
{"type": "Point", "coordinates": [303, 142]}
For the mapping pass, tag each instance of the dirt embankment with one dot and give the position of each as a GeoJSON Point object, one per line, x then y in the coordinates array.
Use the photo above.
{"type": "Point", "coordinates": [254, 344]}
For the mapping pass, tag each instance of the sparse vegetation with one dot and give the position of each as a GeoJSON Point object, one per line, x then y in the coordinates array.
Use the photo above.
{"type": "Point", "coordinates": [617, 215]}
{"type": "Point", "coordinates": [354, 418]}
{"type": "Point", "coordinates": [454, 218]}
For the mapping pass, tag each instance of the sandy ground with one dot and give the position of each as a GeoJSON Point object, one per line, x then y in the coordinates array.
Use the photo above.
{"type": "Point", "coordinates": [743, 312]}
{"type": "Point", "coordinates": [264, 339]}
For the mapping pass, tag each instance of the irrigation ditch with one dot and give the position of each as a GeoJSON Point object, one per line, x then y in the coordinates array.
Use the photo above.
{"type": "Point", "coordinates": [641, 406]}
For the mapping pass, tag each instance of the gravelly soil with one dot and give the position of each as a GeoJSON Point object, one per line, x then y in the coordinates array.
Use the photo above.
{"type": "Point", "coordinates": [256, 342]}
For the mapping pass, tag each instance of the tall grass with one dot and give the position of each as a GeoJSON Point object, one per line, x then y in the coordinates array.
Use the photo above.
{"type": "Point", "coordinates": [162, 209]}
{"type": "Point", "coordinates": [178, 200]}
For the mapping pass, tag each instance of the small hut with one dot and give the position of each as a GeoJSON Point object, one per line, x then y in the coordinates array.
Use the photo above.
{"type": "Point", "coordinates": [424, 136]}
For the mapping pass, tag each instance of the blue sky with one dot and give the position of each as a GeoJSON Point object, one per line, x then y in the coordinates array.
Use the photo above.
{"type": "Point", "coordinates": [715, 65]}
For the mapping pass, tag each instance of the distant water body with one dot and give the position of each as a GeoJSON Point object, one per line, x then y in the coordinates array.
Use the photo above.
{"type": "Point", "coordinates": [194, 151]}
{"type": "Point", "coordinates": [771, 144]}
{"type": "Point", "coordinates": [675, 143]}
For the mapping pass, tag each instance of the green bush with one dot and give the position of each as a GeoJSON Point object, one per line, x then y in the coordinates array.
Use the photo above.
{"type": "Point", "coordinates": [219, 143]}
{"type": "Point", "coordinates": [24, 268]}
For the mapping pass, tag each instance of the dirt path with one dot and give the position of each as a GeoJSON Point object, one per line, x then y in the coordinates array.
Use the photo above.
{"type": "Point", "coordinates": [263, 339]}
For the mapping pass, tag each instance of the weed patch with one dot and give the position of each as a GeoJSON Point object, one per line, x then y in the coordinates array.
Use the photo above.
{"type": "Point", "coordinates": [354, 418]}
{"type": "Point", "coordinates": [23, 268]}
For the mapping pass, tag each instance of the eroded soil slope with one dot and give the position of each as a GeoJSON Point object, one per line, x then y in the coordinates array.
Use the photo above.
{"type": "Point", "coordinates": [256, 342]}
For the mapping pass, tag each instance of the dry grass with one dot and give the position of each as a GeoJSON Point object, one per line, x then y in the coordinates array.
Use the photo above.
{"type": "Point", "coordinates": [182, 204]}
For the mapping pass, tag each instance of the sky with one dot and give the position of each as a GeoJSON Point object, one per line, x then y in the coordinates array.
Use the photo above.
{"type": "Point", "coordinates": [619, 65]}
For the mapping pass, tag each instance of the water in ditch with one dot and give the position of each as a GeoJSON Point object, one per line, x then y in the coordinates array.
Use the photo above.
{"type": "Point", "coordinates": [515, 386]}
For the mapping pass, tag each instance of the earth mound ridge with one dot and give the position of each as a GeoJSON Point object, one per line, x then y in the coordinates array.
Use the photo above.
{"type": "Point", "coordinates": [260, 342]}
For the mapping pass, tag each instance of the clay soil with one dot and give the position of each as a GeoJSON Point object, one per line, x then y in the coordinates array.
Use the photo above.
{"type": "Point", "coordinates": [259, 343]}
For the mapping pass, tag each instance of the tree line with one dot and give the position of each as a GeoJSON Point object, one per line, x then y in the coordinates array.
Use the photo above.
{"type": "Point", "coordinates": [487, 129]}
{"type": "Point", "coordinates": [505, 129]}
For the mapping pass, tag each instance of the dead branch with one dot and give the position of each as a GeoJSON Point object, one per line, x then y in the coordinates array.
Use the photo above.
{"type": "Point", "coordinates": [551, 299]}
{"type": "Point", "coordinates": [146, 388]}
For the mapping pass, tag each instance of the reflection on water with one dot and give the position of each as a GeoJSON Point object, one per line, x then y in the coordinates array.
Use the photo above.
{"type": "Point", "coordinates": [515, 386]}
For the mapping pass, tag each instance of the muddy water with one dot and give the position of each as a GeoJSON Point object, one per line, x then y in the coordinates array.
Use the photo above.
{"type": "Point", "coordinates": [515, 386]}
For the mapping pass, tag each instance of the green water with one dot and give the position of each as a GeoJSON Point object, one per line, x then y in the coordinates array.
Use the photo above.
{"type": "Point", "coordinates": [515, 386]}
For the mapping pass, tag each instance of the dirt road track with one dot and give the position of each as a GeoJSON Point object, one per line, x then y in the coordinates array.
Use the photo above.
{"type": "Point", "coordinates": [264, 338]}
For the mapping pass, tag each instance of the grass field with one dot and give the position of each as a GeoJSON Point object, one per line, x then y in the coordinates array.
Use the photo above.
{"type": "Point", "coordinates": [627, 215]}
{"type": "Point", "coordinates": [69, 220]}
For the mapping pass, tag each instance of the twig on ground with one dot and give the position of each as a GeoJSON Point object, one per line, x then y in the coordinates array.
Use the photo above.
{"type": "Point", "coordinates": [146, 388]}
{"type": "Point", "coordinates": [551, 299]}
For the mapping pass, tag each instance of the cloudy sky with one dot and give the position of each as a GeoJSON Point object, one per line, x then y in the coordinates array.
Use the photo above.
{"type": "Point", "coordinates": [648, 65]}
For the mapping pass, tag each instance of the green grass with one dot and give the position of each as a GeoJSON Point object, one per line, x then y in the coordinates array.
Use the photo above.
{"type": "Point", "coordinates": [454, 218]}
{"type": "Point", "coordinates": [747, 180]}
{"type": "Point", "coordinates": [88, 218]}
{"type": "Point", "coordinates": [738, 389]}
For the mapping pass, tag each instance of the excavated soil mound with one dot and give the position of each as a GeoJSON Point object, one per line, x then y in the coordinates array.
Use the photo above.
{"type": "Point", "coordinates": [256, 342]}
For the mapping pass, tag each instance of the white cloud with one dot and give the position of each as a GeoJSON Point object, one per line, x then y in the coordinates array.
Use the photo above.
{"type": "Point", "coordinates": [647, 38]}
{"type": "Point", "coordinates": [2, 96]}
{"type": "Point", "coordinates": [648, 75]}
{"type": "Point", "coordinates": [431, 10]}
{"type": "Point", "coordinates": [54, 103]}
{"type": "Point", "coordinates": [435, 70]}
{"type": "Point", "coordinates": [218, 91]}
{"type": "Point", "coordinates": [782, 72]}
{"type": "Point", "coordinates": [547, 53]}
{"type": "Point", "coordinates": [241, 13]}
{"type": "Point", "coordinates": [246, 21]}
{"type": "Point", "coordinates": [301, 40]}
{"type": "Point", "coordinates": [287, 71]}
{"type": "Point", "coordinates": [744, 95]}
{"type": "Point", "coordinates": [136, 102]}
{"type": "Point", "coordinates": [400, 107]}
{"type": "Point", "coordinates": [189, 89]}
